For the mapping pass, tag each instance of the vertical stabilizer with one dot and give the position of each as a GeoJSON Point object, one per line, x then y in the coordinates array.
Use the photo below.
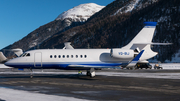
{"type": "Point", "coordinates": [144, 36]}
{"type": "Point", "coordinates": [143, 40]}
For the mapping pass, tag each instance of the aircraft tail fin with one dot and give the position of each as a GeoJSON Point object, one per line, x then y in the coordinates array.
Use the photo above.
{"type": "Point", "coordinates": [143, 41]}
{"type": "Point", "coordinates": [2, 58]}
{"type": "Point", "coordinates": [17, 51]}
{"type": "Point", "coordinates": [144, 36]}
{"type": "Point", "coordinates": [67, 45]}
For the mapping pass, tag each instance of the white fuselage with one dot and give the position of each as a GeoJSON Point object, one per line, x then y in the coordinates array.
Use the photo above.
{"type": "Point", "coordinates": [65, 58]}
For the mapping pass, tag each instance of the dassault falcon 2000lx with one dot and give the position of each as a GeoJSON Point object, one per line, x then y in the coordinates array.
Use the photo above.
{"type": "Point", "coordinates": [68, 58]}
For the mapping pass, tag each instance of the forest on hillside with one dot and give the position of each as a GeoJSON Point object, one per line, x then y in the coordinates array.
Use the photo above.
{"type": "Point", "coordinates": [105, 30]}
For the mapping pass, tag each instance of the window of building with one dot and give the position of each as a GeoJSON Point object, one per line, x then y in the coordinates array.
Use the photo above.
{"type": "Point", "coordinates": [63, 56]}
{"type": "Point", "coordinates": [59, 56]}
{"type": "Point", "coordinates": [55, 56]}
{"type": "Point", "coordinates": [76, 56]}
{"type": "Point", "coordinates": [71, 56]}
{"type": "Point", "coordinates": [50, 56]}
{"type": "Point", "coordinates": [85, 56]}
{"type": "Point", "coordinates": [67, 56]}
{"type": "Point", "coordinates": [81, 56]}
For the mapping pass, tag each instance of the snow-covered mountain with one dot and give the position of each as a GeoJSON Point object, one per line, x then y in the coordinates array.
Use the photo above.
{"type": "Point", "coordinates": [68, 19]}
{"type": "Point", "coordinates": [134, 4]}
{"type": "Point", "coordinates": [81, 12]}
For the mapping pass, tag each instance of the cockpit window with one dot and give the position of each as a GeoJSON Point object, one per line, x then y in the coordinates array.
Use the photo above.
{"type": "Point", "coordinates": [28, 54]}
{"type": "Point", "coordinates": [25, 55]}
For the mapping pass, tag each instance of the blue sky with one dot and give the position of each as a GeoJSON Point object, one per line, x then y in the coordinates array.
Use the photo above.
{"type": "Point", "coordinates": [20, 17]}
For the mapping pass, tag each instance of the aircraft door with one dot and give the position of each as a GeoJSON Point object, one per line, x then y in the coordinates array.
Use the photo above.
{"type": "Point", "coordinates": [38, 59]}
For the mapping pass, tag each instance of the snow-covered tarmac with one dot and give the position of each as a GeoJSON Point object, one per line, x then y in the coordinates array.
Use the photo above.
{"type": "Point", "coordinates": [168, 65]}
{"type": "Point", "coordinates": [122, 74]}
{"type": "Point", "coordinates": [8, 94]}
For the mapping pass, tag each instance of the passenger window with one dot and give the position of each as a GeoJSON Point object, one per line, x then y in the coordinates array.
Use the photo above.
{"type": "Point", "coordinates": [63, 56]}
{"type": "Point", "coordinates": [76, 56]}
{"type": "Point", "coordinates": [67, 56]}
{"type": "Point", "coordinates": [85, 56]}
{"type": "Point", "coordinates": [55, 56]}
{"type": "Point", "coordinates": [81, 56]}
{"type": "Point", "coordinates": [71, 56]}
{"type": "Point", "coordinates": [59, 56]}
{"type": "Point", "coordinates": [50, 56]}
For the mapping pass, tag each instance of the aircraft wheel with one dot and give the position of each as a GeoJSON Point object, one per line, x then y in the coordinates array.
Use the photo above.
{"type": "Point", "coordinates": [92, 74]}
{"type": "Point", "coordinates": [88, 73]}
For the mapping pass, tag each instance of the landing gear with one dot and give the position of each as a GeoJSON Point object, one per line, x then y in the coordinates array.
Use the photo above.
{"type": "Point", "coordinates": [31, 75]}
{"type": "Point", "coordinates": [91, 73]}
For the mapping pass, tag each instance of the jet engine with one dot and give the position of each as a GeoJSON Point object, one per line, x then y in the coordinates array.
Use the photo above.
{"type": "Point", "coordinates": [122, 53]}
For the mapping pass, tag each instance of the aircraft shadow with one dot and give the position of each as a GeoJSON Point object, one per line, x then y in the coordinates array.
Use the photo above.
{"type": "Point", "coordinates": [46, 76]}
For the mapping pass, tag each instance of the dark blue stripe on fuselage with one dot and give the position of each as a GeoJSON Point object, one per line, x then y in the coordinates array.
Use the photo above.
{"type": "Point", "coordinates": [62, 66]}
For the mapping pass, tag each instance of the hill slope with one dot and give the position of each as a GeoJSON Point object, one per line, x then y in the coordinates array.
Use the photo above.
{"type": "Point", "coordinates": [110, 28]}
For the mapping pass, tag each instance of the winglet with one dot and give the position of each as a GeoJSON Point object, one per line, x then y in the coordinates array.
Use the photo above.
{"type": "Point", "coordinates": [135, 60]}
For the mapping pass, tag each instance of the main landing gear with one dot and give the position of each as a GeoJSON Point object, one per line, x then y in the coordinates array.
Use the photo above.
{"type": "Point", "coordinates": [91, 72]}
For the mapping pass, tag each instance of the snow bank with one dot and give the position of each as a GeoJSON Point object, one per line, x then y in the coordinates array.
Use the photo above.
{"type": "Point", "coordinates": [3, 66]}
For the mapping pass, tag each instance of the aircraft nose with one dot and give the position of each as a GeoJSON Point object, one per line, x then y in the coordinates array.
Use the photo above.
{"type": "Point", "coordinates": [9, 63]}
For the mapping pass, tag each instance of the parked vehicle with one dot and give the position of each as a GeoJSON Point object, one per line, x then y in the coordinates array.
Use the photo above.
{"type": "Point", "coordinates": [143, 65]}
{"type": "Point", "coordinates": [157, 66]}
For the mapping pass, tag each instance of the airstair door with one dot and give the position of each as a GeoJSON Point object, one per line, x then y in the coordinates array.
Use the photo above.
{"type": "Point", "coordinates": [38, 59]}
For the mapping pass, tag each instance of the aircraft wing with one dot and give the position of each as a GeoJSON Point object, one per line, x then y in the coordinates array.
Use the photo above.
{"type": "Point", "coordinates": [135, 60]}
{"type": "Point", "coordinates": [130, 64]}
{"type": "Point", "coordinates": [153, 43]}
{"type": "Point", "coordinates": [89, 66]}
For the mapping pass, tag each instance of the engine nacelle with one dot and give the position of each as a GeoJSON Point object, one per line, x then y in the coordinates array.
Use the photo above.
{"type": "Point", "coordinates": [122, 53]}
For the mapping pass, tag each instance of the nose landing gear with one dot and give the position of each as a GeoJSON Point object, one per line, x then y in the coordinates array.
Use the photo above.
{"type": "Point", "coordinates": [91, 73]}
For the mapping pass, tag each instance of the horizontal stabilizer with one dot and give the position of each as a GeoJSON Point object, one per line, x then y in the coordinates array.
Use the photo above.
{"type": "Point", "coordinates": [153, 43]}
